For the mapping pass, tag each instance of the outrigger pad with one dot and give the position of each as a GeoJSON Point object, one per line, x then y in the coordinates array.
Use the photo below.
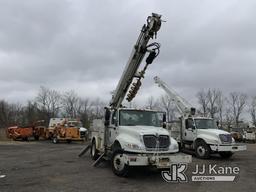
{"type": "Point", "coordinates": [84, 150]}
{"type": "Point", "coordinates": [98, 160]}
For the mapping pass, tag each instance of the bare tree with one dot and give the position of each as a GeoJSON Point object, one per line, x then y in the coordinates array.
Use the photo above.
{"type": "Point", "coordinates": [85, 112]}
{"type": "Point", "coordinates": [229, 119]}
{"type": "Point", "coordinates": [237, 102]}
{"type": "Point", "coordinates": [16, 114]}
{"type": "Point", "coordinates": [31, 112]}
{"type": "Point", "coordinates": [55, 102]}
{"type": "Point", "coordinates": [220, 104]}
{"type": "Point", "coordinates": [151, 103]}
{"type": "Point", "coordinates": [49, 102]}
{"type": "Point", "coordinates": [203, 102]}
{"type": "Point", "coordinates": [11, 114]}
{"type": "Point", "coordinates": [253, 110]}
{"type": "Point", "coordinates": [98, 108]}
{"type": "Point", "coordinates": [167, 105]}
{"type": "Point", "coordinates": [4, 110]}
{"type": "Point", "coordinates": [211, 98]}
{"type": "Point", "coordinates": [70, 102]}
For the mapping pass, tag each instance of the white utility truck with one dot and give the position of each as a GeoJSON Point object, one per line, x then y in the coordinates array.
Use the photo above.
{"type": "Point", "coordinates": [249, 135]}
{"type": "Point", "coordinates": [134, 137]}
{"type": "Point", "coordinates": [200, 134]}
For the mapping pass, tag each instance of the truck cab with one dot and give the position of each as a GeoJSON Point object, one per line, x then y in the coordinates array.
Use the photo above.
{"type": "Point", "coordinates": [203, 135]}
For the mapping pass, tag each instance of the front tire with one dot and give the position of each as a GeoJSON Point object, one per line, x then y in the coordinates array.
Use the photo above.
{"type": "Point", "coordinates": [202, 150]}
{"type": "Point", "coordinates": [94, 151]}
{"type": "Point", "coordinates": [118, 164]}
{"type": "Point", "coordinates": [226, 154]}
{"type": "Point", "coordinates": [55, 140]}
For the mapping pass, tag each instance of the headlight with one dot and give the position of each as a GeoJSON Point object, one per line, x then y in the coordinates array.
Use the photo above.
{"type": "Point", "coordinates": [173, 144]}
{"type": "Point", "coordinates": [225, 138]}
{"type": "Point", "coordinates": [133, 146]}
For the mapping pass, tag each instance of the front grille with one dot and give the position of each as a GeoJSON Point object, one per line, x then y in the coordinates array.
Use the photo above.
{"type": "Point", "coordinates": [150, 141]}
{"type": "Point", "coordinates": [82, 134]}
{"type": "Point", "coordinates": [226, 138]}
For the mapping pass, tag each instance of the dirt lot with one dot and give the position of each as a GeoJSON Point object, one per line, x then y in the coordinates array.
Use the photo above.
{"type": "Point", "coordinates": [43, 166]}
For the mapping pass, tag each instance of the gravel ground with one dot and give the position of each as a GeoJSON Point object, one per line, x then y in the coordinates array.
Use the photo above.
{"type": "Point", "coordinates": [43, 166]}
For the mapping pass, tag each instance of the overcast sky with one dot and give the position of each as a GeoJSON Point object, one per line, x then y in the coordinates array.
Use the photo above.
{"type": "Point", "coordinates": [84, 46]}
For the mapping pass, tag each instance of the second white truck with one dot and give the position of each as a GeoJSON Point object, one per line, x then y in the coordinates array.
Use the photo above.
{"type": "Point", "coordinates": [197, 133]}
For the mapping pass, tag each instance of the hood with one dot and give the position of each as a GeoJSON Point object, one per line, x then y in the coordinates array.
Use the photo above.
{"type": "Point", "coordinates": [82, 129]}
{"type": "Point", "coordinates": [143, 130]}
{"type": "Point", "coordinates": [211, 131]}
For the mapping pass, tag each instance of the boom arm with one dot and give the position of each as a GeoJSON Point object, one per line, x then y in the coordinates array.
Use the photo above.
{"type": "Point", "coordinates": [148, 31]}
{"type": "Point", "coordinates": [182, 105]}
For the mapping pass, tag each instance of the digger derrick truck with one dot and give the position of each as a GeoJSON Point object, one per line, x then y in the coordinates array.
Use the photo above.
{"type": "Point", "coordinates": [133, 137]}
{"type": "Point", "coordinates": [200, 134]}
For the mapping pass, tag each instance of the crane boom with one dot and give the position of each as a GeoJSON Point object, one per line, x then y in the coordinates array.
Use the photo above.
{"type": "Point", "coordinates": [130, 72]}
{"type": "Point", "coordinates": [182, 105]}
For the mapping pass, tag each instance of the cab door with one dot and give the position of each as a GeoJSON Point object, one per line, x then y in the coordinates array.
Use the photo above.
{"type": "Point", "coordinates": [190, 130]}
{"type": "Point", "coordinates": [112, 129]}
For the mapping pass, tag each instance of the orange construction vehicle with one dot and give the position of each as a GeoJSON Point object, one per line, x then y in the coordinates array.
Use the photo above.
{"type": "Point", "coordinates": [39, 129]}
{"type": "Point", "coordinates": [16, 132]}
{"type": "Point", "coordinates": [35, 130]}
{"type": "Point", "coordinates": [65, 129]}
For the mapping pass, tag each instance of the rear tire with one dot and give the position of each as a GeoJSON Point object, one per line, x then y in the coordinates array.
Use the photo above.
{"type": "Point", "coordinates": [226, 154]}
{"type": "Point", "coordinates": [202, 150]}
{"type": "Point", "coordinates": [55, 140]}
{"type": "Point", "coordinates": [94, 152]}
{"type": "Point", "coordinates": [118, 165]}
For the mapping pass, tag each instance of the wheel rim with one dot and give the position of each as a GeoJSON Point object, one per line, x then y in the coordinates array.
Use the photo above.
{"type": "Point", "coordinates": [119, 162]}
{"type": "Point", "coordinates": [93, 149]}
{"type": "Point", "coordinates": [201, 151]}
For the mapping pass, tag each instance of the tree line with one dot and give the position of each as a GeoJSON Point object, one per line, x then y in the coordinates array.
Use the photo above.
{"type": "Point", "coordinates": [226, 109]}
{"type": "Point", "coordinates": [48, 103]}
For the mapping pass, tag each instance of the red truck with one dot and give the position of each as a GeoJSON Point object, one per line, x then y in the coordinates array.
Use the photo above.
{"type": "Point", "coordinates": [36, 130]}
{"type": "Point", "coordinates": [17, 132]}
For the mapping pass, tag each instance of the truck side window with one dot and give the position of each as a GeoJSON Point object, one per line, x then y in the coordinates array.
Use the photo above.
{"type": "Point", "coordinates": [189, 123]}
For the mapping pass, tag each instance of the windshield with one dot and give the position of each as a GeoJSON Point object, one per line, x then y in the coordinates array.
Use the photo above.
{"type": "Point", "coordinates": [205, 124]}
{"type": "Point", "coordinates": [136, 117]}
{"type": "Point", "coordinates": [76, 124]}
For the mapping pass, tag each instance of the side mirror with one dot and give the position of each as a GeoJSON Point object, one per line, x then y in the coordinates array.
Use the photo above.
{"type": "Point", "coordinates": [193, 111]}
{"type": "Point", "coordinates": [193, 126]}
{"type": "Point", "coordinates": [115, 121]}
{"type": "Point", "coordinates": [107, 117]}
{"type": "Point", "coordinates": [164, 120]}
